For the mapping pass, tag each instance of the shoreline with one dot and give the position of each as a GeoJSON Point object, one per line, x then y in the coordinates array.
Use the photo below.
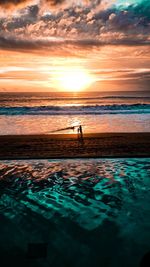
{"type": "Point", "coordinates": [67, 146]}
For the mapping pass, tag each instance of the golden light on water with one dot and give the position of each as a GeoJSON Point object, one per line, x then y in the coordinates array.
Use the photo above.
{"type": "Point", "coordinates": [73, 79]}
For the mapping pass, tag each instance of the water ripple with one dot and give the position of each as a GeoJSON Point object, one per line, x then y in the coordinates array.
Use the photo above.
{"type": "Point", "coordinates": [85, 191]}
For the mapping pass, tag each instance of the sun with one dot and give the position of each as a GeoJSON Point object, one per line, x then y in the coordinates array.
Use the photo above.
{"type": "Point", "coordinates": [73, 79]}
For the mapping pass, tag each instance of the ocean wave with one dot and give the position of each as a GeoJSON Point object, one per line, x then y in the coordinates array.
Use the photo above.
{"type": "Point", "coordinates": [77, 109]}
{"type": "Point", "coordinates": [33, 97]}
{"type": "Point", "coordinates": [68, 98]}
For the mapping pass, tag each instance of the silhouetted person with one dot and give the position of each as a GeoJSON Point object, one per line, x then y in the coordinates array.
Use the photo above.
{"type": "Point", "coordinates": [80, 134]}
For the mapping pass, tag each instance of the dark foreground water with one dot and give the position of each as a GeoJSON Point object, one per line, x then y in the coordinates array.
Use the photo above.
{"type": "Point", "coordinates": [74, 213]}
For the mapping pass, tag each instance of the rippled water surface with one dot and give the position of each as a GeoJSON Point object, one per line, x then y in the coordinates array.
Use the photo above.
{"type": "Point", "coordinates": [87, 212]}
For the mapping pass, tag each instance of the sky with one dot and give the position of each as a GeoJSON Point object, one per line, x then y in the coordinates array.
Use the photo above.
{"type": "Point", "coordinates": [99, 45]}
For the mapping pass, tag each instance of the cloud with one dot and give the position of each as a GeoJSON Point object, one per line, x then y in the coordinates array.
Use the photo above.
{"type": "Point", "coordinates": [14, 3]}
{"type": "Point", "coordinates": [7, 3]}
{"type": "Point", "coordinates": [79, 23]}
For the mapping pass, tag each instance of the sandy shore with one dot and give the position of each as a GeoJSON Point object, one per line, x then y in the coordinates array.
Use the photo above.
{"type": "Point", "coordinates": [68, 146]}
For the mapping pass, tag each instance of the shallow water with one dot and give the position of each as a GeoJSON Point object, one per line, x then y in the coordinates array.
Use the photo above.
{"type": "Point", "coordinates": [34, 113]}
{"type": "Point", "coordinates": [89, 212]}
{"type": "Point", "coordinates": [91, 123]}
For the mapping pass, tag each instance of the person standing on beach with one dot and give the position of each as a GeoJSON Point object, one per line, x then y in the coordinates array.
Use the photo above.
{"type": "Point", "coordinates": [80, 134]}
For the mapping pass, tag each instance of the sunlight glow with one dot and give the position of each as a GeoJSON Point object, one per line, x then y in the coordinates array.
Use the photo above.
{"type": "Point", "coordinates": [73, 79]}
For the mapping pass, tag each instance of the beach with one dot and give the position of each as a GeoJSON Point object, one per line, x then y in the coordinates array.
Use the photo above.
{"type": "Point", "coordinates": [75, 133]}
{"type": "Point", "coordinates": [68, 146]}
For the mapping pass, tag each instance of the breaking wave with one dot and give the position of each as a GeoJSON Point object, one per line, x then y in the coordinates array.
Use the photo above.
{"type": "Point", "coordinates": [77, 109]}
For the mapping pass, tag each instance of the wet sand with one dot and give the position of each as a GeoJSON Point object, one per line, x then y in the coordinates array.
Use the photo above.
{"type": "Point", "coordinates": [68, 146]}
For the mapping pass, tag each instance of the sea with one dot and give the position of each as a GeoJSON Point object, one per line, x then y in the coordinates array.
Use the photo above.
{"type": "Point", "coordinates": [37, 113]}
